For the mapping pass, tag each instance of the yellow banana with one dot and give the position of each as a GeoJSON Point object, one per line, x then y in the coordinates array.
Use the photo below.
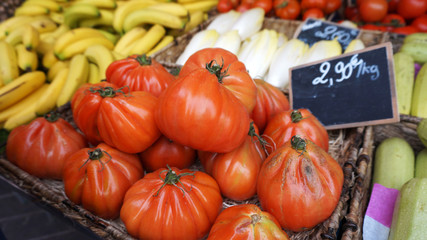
{"type": "Point", "coordinates": [171, 8]}
{"type": "Point", "coordinates": [27, 59]}
{"type": "Point", "coordinates": [45, 45]}
{"type": "Point", "coordinates": [26, 114]}
{"type": "Point", "coordinates": [44, 24]}
{"type": "Point", "coordinates": [56, 68]}
{"type": "Point", "coordinates": [25, 34]}
{"type": "Point", "coordinates": [204, 6]}
{"type": "Point", "coordinates": [31, 10]}
{"type": "Point", "coordinates": [57, 17]}
{"type": "Point", "coordinates": [117, 55]}
{"type": "Point", "coordinates": [20, 88]}
{"type": "Point", "coordinates": [81, 45]}
{"type": "Point", "coordinates": [93, 74]}
{"type": "Point", "coordinates": [78, 12]}
{"type": "Point", "coordinates": [49, 59]}
{"type": "Point", "coordinates": [8, 63]}
{"type": "Point", "coordinates": [23, 103]}
{"type": "Point", "coordinates": [163, 43]}
{"type": "Point", "coordinates": [110, 36]}
{"type": "Point", "coordinates": [53, 6]}
{"type": "Point", "coordinates": [101, 56]}
{"type": "Point", "coordinates": [127, 8]}
{"type": "Point", "coordinates": [47, 102]}
{"type": "Point", "coordinates": [61, 29]}
{"type": "Point", "coordinates": [151, 16]}
{"type": "Point", "coordinates": [77, 75]}
{"type": "Point", "coordinates": [128, 38]}
{"type": "Point", "coordinates": [13, 23]}
{"type": "Point", "coordinates": [99, 3]}
{"type": "Point", "coordinates": [106, 19]}
{"type": "Point", "coordinates": [149, 40]}
{"type": "Point", "coordinates": [186, 1]}
{"type": "Point", "coordinates": [194, 20]}
{"type": "Point", "coordinates": [75, 35]}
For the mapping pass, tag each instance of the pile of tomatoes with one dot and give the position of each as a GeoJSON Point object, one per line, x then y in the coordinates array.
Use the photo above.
{"type": "Point", "coordinates": [140, 131]}
{"type": "Point", "coordinates": [398, 16]}
{"type": "Point", "coordinates": [284, 9]}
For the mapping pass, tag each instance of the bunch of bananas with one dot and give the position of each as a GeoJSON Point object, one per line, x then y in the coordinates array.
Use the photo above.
{"type": "Point", "coordinates": [51, 47]}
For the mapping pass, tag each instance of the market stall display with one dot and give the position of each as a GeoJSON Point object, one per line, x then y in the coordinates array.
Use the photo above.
{"type": "Point", "coordinates": [56, 56]}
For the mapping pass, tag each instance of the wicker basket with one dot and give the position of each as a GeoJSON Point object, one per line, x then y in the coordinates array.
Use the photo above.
{"type": "Point", "coordinates": [346, 146]}
{"type": "Point", "coordinates": [7, 8]}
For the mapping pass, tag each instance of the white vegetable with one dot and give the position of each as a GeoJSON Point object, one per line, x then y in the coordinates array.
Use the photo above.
{"type": "Point", "coordinates": [354, 45]}
{"type": "Point", "coordinates": [201, 40]}
{"type": "Point", "coordinates": [249, 22]}
{"type": "Point", "coordinates": [258, 52]}
{"type": "Point", "coordinates": [224, 21]}
{"type": "Point", "coordinates": [229, 41]}
{"type": "Point", "coordinates": [321, 50]}
{"type": "Point", "coordinates": [286, 57]}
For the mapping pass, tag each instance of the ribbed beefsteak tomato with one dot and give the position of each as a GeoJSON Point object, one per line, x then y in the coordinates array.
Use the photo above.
{"type": "Point", "coordinates": [230, 72]}
{"type": "Point", "coordinates": [198, 111]}
{"type": "Point", "coordinates": [300, 184]}
{"type": "Point", "coordinates": [246, 221]}
{"type": "Point", "coordinates": [171, 204]}
{"type": "Point", "coordinates": [284, 125]}
{"type": "Point", "coordinates": [269, 101]}
{"type": "Point", "coordinates": [165, 152]}
{"type": "Point", "coordinates": [106, 113]}
{"type": "Point", "coordinates": [236, 172]}
{"type": "Point", "coordinates": [41, 147]}
{"type": "Point", "coordinates": [99, 177]}
{"type": "Point", "coordinates": [139, 73]}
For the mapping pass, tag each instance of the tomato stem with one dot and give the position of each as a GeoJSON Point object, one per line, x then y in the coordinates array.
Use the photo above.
{"type": "Point", "coordinates": [253, 133]}
{"type": "Point", "coordinates": [108, 91]}
{"type": "Point", "coordinates": [172, 179]}
{"type": "Point", "coordinates": [97, 154]}
{"type": "Point", "coordinates": [282, 5]}
{"type": "Point", "coordinates": [299, 144]}
{"type": "Point", "coordinates": [255, 218]}
{"type": "Point", "coordinates": [296, 116]}
{"type": "Point", "coordinates": [143, 60]}
{"type": "Point", "coordinates": [51, 116]}
{"type": "Point", "coordinates": [214, 68]}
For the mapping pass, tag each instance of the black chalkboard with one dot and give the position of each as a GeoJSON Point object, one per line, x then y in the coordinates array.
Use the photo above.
{"type": "Point", "coordinates": [314, 30]}
{"type": "Point", "coordinates": [354, 89]}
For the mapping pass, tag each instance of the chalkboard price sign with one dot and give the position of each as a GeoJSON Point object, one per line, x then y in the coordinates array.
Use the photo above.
{"type": "Point", "coordinates": [314, 30]}
{"type": "Point", "coordinates": [355, 89]}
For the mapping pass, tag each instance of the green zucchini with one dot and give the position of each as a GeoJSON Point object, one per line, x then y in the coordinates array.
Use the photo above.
{"type": "Point", "coordinates": [421, 164]}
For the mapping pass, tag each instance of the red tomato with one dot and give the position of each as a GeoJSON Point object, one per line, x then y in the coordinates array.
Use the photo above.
{"type": "Point", "coordinates": [287, 9]}
{"type": "Point", "coordinates": [315, 13]}
{"type": "Point", "coordinates": [98, 178]}
{"type": "Point", "coordinates": [236, 172]}
{"type": "Point", "coordinates": [392, 5]}
{"type": "Point", "coordinates": [139, 73]}
{"type": "Point", "coordinates": [171, 204]}
{"type": "Point", "coordinates": [420, 23]}
{"type": "Point", "coordinates": [284, 125]}
{"type": "Point", "coordinates": [125, 121]}
{"type": "Point", "coordinates": [199, 112]}
{"type": "Point", "coordinates": [267, 5]}
{"type": "Point", "coordinates": [332, 6]}
{"type": "Point", "coordinates": [374, 27]}
{"type": "Point", "coordinates": [352, 13]}
{"type": "Point", "coordinates": [224, 6]}
{"type": "Point", "coordinates": [300, 184]}
{"type": "Point", "coordinates": [245, 5]}
{"type": "Point", "coordinates": [229, 71]}
{"type": "Point", "coordinates": [246, 221]}
{"type": "Point", "coordinates": [307, 4]}
{"type": "Point", "coordinates": [373, 10]}
{"type": "Point", "coordinates": [41, 147]}
{"type": "Point", "coordinates": [405, 30]}
{"type": "Point", "coordinates": [392, 20]}
{"type": "Point", "coordinates": [269, 101]}
{"type": "Point", "coordinates": [410, 9]}
{"type": "Point", "coordinates": [165, 152]}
